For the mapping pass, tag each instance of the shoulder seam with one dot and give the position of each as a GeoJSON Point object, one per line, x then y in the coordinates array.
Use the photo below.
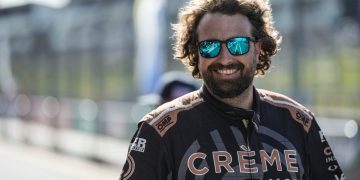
{"type": "Point", "coordinates": [298, 112]}
{"type": "Point", "coordinates": [174, 109]}
{"type": "Point", "coordinates": [165, 117]}
{"type": "Point", "coordinates": [296, 106]}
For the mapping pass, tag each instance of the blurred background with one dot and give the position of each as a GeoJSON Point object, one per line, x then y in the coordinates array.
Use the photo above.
{"type": "Point", "coordinates": [76, 76]}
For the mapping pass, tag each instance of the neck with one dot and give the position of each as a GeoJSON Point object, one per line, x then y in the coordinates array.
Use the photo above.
{"type": "Point", "coordinates": [244, 100]}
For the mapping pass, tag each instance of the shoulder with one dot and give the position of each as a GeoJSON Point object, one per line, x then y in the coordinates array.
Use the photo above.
{"type": "Point", "coordinates": [165, 116]}
{"type": "Point", "coordinates": [299, 113]}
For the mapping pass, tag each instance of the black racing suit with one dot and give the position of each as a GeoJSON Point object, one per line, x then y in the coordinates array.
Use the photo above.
{"type": "Point", "coordinates": [198, 137]}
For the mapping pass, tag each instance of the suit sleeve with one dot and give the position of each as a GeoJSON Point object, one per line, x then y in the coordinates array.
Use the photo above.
{"type": "Point", "coordinates": [322, 163]}
{"type": "Point", "coordinates": [146, 157]}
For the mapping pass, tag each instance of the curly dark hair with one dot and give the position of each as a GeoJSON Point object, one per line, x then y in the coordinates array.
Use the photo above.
{"type": "Point", "coordinates": [257, 11]}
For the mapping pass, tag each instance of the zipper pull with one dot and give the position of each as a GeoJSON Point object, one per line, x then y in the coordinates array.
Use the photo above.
{"type": "Point", "coordinates": [246, 125]}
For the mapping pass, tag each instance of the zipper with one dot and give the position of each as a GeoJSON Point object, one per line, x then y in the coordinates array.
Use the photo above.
{"type": "Point", "coordinates": [248, 133]}
{"type": "Point", "coordinates": [247, 128]}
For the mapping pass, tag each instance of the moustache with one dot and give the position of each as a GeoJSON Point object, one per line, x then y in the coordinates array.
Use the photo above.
{"type": "Point", "coordinates": [218, 66]}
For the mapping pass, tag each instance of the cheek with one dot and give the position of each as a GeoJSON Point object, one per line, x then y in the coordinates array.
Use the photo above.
{"type": "Point", "coordinates": [202, 64]}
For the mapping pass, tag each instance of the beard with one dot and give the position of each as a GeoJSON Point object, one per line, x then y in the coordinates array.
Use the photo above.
{"type": "Point", "coordinates": [229, 88]}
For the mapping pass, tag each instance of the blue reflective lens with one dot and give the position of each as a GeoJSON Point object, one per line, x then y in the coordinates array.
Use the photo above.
{"type": "Point", "coordinates": [237, 46]}
{"type": "Point", "coordinates": [210, 48]}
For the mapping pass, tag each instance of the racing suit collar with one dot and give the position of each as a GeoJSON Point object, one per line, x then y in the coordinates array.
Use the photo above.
{"type": "Point", "coordinates": [233, 112]}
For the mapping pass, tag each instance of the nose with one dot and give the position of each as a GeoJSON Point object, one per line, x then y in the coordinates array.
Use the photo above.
{"type": "Point", "coordinates": [225, 57]}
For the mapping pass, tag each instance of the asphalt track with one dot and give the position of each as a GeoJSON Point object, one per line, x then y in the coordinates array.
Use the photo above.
{"type": "Point", "coordinates": [19, 162]}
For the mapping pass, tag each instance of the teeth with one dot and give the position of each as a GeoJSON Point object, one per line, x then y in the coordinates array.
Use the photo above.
{"type": "Point", "coordinates": [227, 71]}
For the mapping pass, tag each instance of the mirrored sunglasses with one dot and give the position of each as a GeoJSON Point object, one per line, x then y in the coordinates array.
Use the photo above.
{"type": "Point", "coordinates": [237, 46]}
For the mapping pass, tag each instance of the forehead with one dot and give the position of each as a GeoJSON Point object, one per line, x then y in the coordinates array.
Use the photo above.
{"type": "Point", "coordinates": [222, 26]}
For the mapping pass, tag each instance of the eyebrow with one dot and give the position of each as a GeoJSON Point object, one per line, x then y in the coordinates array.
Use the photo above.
{"type": "Point", "coordinates": [229, 37]}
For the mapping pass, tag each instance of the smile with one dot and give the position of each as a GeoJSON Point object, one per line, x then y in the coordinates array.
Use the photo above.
{"type": "Point", "coordinates": [226, 71]}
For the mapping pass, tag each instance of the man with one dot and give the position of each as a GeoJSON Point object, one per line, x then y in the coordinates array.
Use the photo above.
{"type": "Point", "coordinates": [229, 129]}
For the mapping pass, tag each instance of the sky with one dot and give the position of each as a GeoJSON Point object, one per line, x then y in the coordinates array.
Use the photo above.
{"type": "Point", "coordinates": [50, 3]}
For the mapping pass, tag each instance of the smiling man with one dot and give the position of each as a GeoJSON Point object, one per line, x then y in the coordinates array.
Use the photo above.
{"type": "Point", "coordinates": [229, 129]}
{"type": "Point", "coordinates": [228, 57]}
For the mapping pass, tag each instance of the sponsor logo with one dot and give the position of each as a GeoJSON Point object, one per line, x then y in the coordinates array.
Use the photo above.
{"type": "Point", "coordinates": [301, 117]}
{"type": "Point", "coordinates": [138, 145]}
{"type": "Point", "coordinates": [161, 125]}
{"type": "Point", "coordinates": [329, 158]}
{"type": "Point", "coordinates": [246, 160]}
